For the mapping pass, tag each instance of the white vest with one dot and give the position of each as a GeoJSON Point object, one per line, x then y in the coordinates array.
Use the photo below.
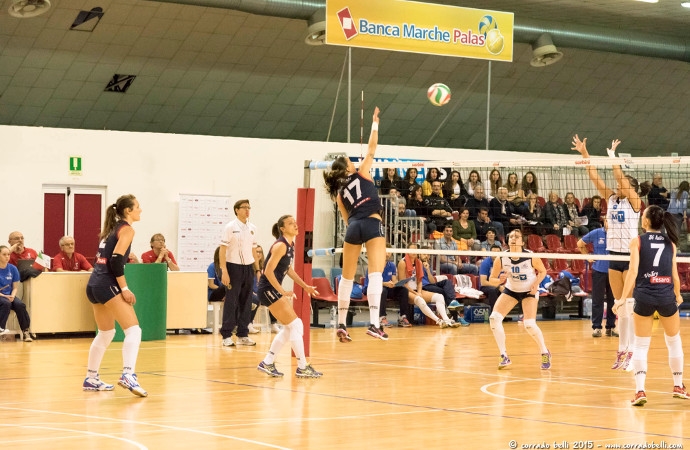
{"type": "Point", "coordinates": [520, 274]}
{"type": "Point", "coordinates": [623, 224]}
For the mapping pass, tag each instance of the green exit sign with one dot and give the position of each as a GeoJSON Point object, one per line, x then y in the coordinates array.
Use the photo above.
{"type": "Point", "coordinates": [75, 165]}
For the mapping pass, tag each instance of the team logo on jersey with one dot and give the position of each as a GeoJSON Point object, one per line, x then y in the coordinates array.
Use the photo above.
{"type": "Point", "coordinates": [660, 280]}
{"type": "Point", "coordinates": [618, 216]}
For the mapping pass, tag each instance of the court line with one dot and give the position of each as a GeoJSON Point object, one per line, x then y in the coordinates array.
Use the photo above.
{"type": "Point", "coordinates": [91, 433]}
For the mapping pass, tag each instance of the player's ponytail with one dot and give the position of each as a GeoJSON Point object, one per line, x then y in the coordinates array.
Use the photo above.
{"type": "Point", "coordinates": [335, 178]}
{"type": "Point", "coordinates": [671, 227]}
{"type": "Point", "coordinates": [275, 231]}
{"type": "Point", "coordinates": [658, 219]}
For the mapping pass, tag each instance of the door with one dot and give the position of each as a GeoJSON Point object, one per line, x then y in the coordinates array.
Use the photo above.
{"type": "Point", "coordinates": [73, 211]}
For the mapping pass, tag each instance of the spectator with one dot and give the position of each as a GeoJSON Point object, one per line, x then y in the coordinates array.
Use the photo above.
{"type": "Point", "coordinates": [9, 283]}
{"type": "Point", "coordinates": [422, 209]}
{"type": "Point", "coordinates": [465, 231]}
{"type": "Point", "coordinates": [392, 292]}
{"type": "Point", "coordinates": [678, 205]}
{"type": "Point", "coordinates": [529, 185]}
{"type": "Point", "coordinates": [482, 224]}
{"type": "Point", "coordinates": [238, 265]}
{"type": "Point", "coordinates": [454, 191]}
{"type": "Point", "coordinates": [514, 192]}
{"type": "Point", "coordinates": [216, 289]}
{"type": "Point", "coordinates": [439, 209]}
{"type": "Point", "coordinates": [18, 252]}
{"type": "Point", "coordinates": [573, 213]}
{"type": "Point", "coordinates": [473, 180]}
{"type": "Point", "coordinates": [592, 211]}
{"type": "Point", "coordinates": [391, 179]}
{"type": "Point", "coordinates": [556, 217]}
{"type": "Point", "coordinates": [658, 194]}
{"type": "Point", "coordinates": [491, 240]}
{"type": "Point", "coordinates": [68, 259]}
{"type": "Point", "coordinates": [450, 264]}
{"type": "Point", "coordinates": [495, 181]}
{"type": "Point", "coordinates": [431, 176]}
{"type": "Point", "coordinates": [534, 215]}
{"type": "Point", "coordinates": [501, 210]}
{"type": "Point", "coordinates": [409, 182]}
{"type": "Point", "coordinates": [159, 253]}
{"type": "Point", "coordinates": [601, 289]}
{"type": "Point", "coordinates": [491, 289]}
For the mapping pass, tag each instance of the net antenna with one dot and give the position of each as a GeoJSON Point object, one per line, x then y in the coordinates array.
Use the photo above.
{"type": "Point", "coordinates": [361, 128]}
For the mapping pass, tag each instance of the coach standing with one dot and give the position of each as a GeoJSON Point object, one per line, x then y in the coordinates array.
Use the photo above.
{"type": "Point", "coordinates": [238, 264]}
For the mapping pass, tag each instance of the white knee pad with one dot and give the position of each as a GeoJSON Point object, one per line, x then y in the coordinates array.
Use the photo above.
{"type": "Point", "coordinates": [104, 338]}
{"type": "Point", "coordinates": [629, 306]}
{"type": "Point", "coordinates": [296, 329]}
{"type": "Point", "coordinates": [344, 289]}
{"type": "Point", "coordinates": [674, 345]}
{"type": "Point", "coordinates": [375, 283]}
{"type": "Point", "coordinates": [530, 325]}
{"type": "Point", "coordinates": [640, 348]}
{"type": "Point", "coordinates": [495, 318]}
{"type": "Point", "coordinates": [133, 333]}
{"type": "Point", "coordinates": [419, 301]}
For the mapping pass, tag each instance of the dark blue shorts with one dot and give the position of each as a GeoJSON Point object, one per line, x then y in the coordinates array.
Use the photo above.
{"type": "Point", "coordinates": [664, 308]}
{"type": "Point", "coordinates": [519, 296]}
{"type": "Point", "coordinates": [363, 230]}
{"type": "Point", "coordinates": [619, 266]}
{"type": "Point", "coordinates": [102, 294]}
{"type": "Point", "coordinates": [268, 296]}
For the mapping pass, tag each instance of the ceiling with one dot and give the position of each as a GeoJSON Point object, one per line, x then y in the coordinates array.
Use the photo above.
{"type": "Point", "coordinates": [222, 72]}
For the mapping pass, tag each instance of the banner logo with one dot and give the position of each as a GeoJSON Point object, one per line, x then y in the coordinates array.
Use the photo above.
{"type": "Point", "coordinates": [347, 23]}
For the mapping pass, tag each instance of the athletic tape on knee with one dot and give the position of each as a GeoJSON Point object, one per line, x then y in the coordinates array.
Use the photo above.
{"type": "Point", "coordinates": [674, 345]}
{"type": "Point", "coordinates": [375, 284]}
{"type": "Point", "coordinates": [296, 329]}
{"type": "Point", "coordinates": [495, 318]}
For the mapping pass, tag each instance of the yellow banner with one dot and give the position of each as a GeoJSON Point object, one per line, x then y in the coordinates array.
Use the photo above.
{"type": "Point", "coordinates": [420, 28]}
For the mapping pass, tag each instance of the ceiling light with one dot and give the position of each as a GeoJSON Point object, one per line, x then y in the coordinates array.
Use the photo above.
{"type": "Point", "coordinates": [685, 4]}
{"type": "Point", "coordinates": [649, 1]}
{"type": "Point", "coordinates": [544, 53]}
{"type": "Point", "coordinates": [316, 29]}
{"type": "Point", "coordinates": [24, 9]}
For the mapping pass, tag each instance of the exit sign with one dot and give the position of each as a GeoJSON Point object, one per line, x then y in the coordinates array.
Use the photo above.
{"type": "Point", "coordinates": [75, 165]}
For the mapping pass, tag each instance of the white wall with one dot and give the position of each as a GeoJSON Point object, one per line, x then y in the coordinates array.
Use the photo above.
{"type": "Point", "coordinates": [156, 168]}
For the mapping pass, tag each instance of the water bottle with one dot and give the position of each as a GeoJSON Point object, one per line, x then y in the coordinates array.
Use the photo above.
{"type": "Point", "coordinates": [334, 312]}
{"type": "Point", "coordinates": [605, 308]}
{"type": "Point", "coordinates": [587, 307]}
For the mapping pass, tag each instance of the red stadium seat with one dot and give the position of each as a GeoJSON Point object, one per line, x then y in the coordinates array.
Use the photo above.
{"type": "Point", "coordinates": [559, 265]}
{"type": "Point", "coordinates": [577, 267]}
{"type": "Point", "coordinates": [570, 244]}
{"type": "Point", "coordinates": [535, 243]}
{"type": "Point", "coordinates": [553, 244]}
{"type": "Point", "coordinates": [541, 201]}
{"type": "Point", "coordinates": [577, 203]}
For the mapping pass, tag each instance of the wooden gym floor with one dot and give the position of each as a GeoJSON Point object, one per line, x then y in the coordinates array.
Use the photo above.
{"type": "Point", "coordinates": [424, 388]}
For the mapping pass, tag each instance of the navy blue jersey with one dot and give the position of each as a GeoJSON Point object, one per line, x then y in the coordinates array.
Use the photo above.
{"type": "Point", "coordinates": [360, 197]}
{"type": "Point", "coordinates": [283, 265]}
{"type": "Point", "coordinates": [654, 281]}
{"type": "Point", "coordinates": [102, 274]}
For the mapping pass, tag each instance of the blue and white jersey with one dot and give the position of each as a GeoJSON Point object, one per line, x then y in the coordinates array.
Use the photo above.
{"type": "Point", "coordinates": [520, 273]}
{"type": "Point", "coordinates": [623, 223]}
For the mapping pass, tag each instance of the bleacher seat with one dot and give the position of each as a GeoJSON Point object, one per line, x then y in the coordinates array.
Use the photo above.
{"type": "Point", "coordinates": [535, 243]}
{"type": "Point", "coordinates": [570, 244]}
{"type": "Point", "coordinates": [325, 297]}
{"type": "Point", "coordinates": [553, 244]}
{"type": "Point", "coordinates": [318, 273]}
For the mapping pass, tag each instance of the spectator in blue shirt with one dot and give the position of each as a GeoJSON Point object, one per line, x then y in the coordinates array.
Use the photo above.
{"type": "Point", "coordinates": [490, 289]}
{"type": "Point", "coordinates": [601, 289]}
{"type": "Point", "coordinates": [9, 283]}
{"type": "Point", "coordinates": [393, 292]}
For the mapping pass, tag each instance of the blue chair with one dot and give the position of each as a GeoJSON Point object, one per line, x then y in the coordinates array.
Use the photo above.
{"type": "Point", "coordinates": [335, 273]}
{"type": "Point", "coordinates": [318, 273]}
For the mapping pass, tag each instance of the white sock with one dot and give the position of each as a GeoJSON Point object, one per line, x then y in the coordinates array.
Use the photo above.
{"type": "Point", "coordinates": [296, 332]}
{"type": "Point", "coordinates": [625, 337]}
{"type": "Point", "coordinates": [630, 307]}
{"type": "Point", "coordinates": [130, 348]}
{"type": "Point", "coordinates": [281, 339]}
{"type": "Point", "coordinates": [97, 351]}
{"type": "Point", "coordinates": [374, 296]}
{"type": "Point", "coordinates": [421, 304]}
{"type": "Point", "coordinates": [534, 331]}
{"type": "Point", "coordinates": [496, 324]}
{"type": "Point", "coordinates": [639, 359]}
{"type": "Point", "coordinates": [344, 292]}
{"type": "Point", "coordinates": [440, 306]}
{"type": "Point", "coordinates": [675, 358]}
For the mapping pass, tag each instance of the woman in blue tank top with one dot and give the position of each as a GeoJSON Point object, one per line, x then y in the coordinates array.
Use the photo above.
{"type": "Point", "coordinates": [360, 207]}
{"type": "Point", "coordinates": [653, 275]}
{"type": "Point", "coordinates": [111, 298]}
{"type": "Point", "coordinates": [279, 300]}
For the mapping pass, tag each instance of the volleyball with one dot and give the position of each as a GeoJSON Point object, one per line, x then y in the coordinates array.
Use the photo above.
{"type": "Point", "coordinates": [439, 94]}
{"type": "Point", "coordinates": [486, 24]}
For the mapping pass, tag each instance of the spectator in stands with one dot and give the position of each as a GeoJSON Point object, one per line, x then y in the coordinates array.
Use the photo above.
{"type": "Point", "coordinates": [450, 264]}
{"type": "Point", "coordinates": [491, 240]}
{"type": "Point", "coordinates": [534, 215]}
{"type": "Point", "coordinates": [391, 179]}
{"type": "Point", "coordinates": [422, 209]}
{"type": "Point", "coordinates": [392, 292]}
{"type": "Point", "coordinates": [482, 224]}
{"type": "Point", "coordinates": [402, 206]}
{"type": "Point", "coordinates": [494, 182]}
{"type": "Point", "coordinates": [465, 232]}
{"type": "Point", "coordinates": [592, 211]}
{"type": "Point", "coordinates": [601, 289]}
{"type": "Point", "coordinates": [408, 182]}
{"type": "Point", "coordinates": [556, 217]}
{"type": "Point", "coordinates": [529, 185]}
{"type": "Point", "coordinates": [473, 180]}
{"type": "Point", "coordinates": [491, 289]}
{"type": "Point", "coordinates": [573, 213]}
{"type": "Point", "coordinates": [439, 209]}
{"type": "Point", "coordinates": [18, 251]}
{"type": "Point", "coordinates": [9, 283]}
{"type": "Point", "coordinates": [514, 192]}
{"type": "Point", "coordinates": [502, 210]}
{"type": "Point", "coordinates": [216, 290]}
{"type": "Point", "coordinates": [421, 291]}
{"type": "Point", "coordinates": [159, 253]}
{"type": "Point", "coordinates": [658, 194]}
{"type": "Point", "coordinates": [454, 191]}
{"type": "Point", "coordinates": [68, 259]}
{"type": "Point", "coordinates": [678, 205]}
{"type": "Point", "coordinates": [478, 200]}
{"type": "Point", "coordinates": [427, 185]}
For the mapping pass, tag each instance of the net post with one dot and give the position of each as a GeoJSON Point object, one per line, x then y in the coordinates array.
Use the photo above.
{"type": "Point", "coordinates": [303, 263]}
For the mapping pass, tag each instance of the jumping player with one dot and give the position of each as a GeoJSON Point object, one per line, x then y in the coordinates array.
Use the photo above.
{"type": "Point", "coordinates": [522, 284]}
{"type": "Point", "coordinates": [360, 207]}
